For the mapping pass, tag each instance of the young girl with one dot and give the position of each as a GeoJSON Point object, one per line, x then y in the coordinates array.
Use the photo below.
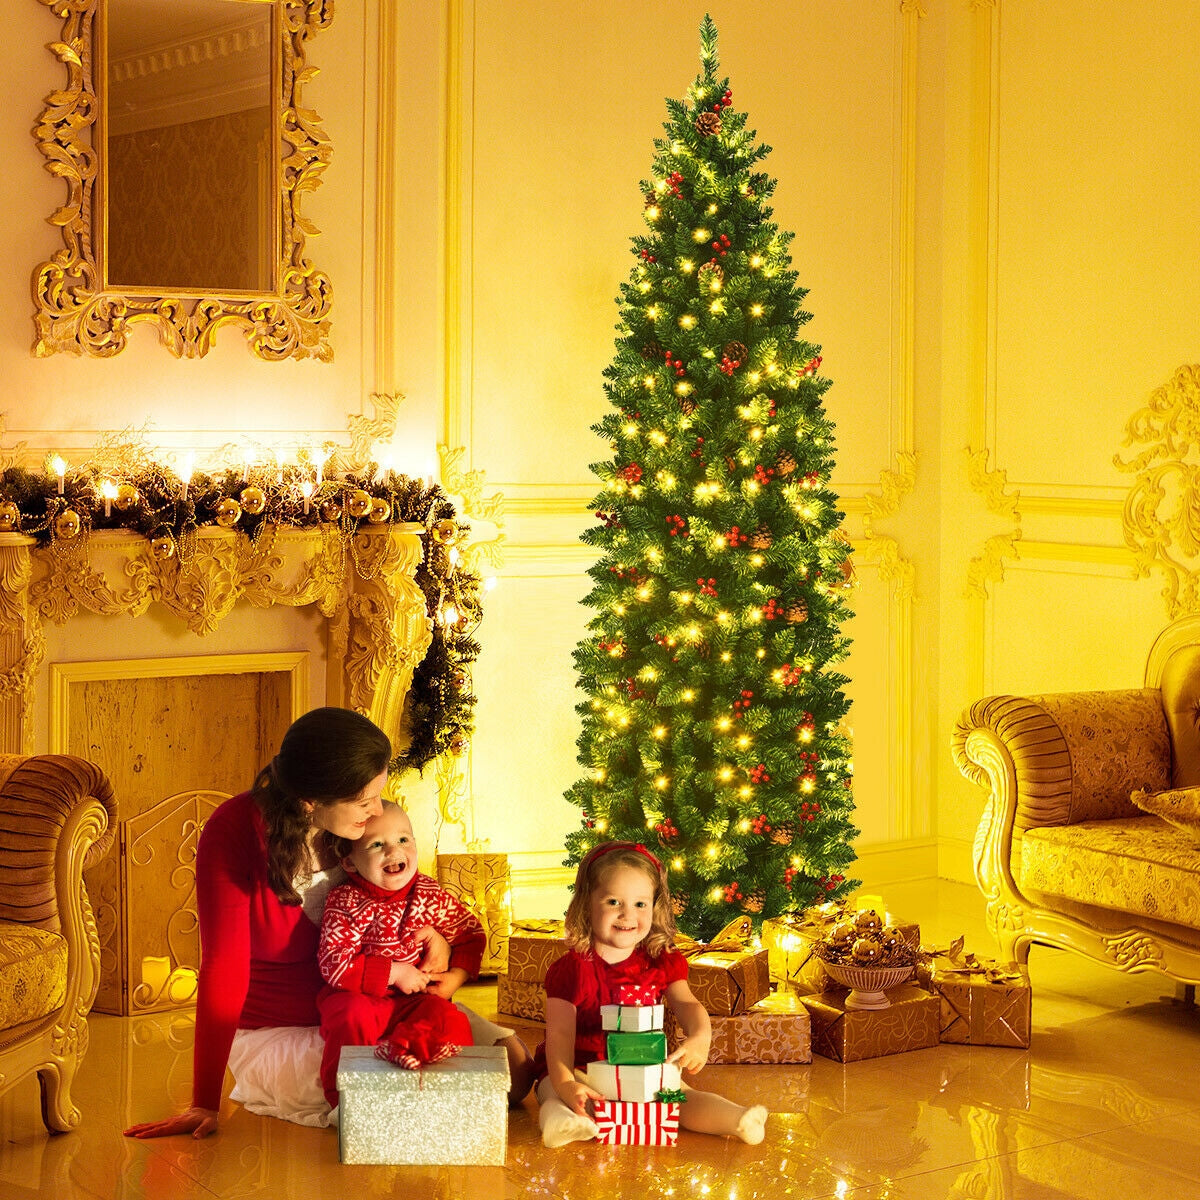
{"type": "Point", "coordinates": [619, 929]}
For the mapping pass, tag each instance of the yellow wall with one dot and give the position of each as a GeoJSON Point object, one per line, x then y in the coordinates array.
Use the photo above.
{"type": "Point", "coordinates": [994, 221]}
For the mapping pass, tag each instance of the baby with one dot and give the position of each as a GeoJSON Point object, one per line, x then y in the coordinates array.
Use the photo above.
{"type": "Point", "coordinates": [372, 940]}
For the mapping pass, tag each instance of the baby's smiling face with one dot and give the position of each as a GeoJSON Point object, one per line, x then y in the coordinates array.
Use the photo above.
{"type": "Point", "coordinates": [386, 854]}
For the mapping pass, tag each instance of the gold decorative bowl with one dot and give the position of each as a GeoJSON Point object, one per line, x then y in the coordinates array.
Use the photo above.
{"type": "Point", "coordinates": [867, 985]}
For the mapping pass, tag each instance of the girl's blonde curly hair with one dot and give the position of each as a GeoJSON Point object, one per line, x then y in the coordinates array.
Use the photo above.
{"type": "Point", "coordinates": [598, 864]}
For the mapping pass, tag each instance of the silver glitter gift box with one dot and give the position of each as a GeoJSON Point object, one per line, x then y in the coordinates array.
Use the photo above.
{"type": "Point", "coordinates": [454, 1112]}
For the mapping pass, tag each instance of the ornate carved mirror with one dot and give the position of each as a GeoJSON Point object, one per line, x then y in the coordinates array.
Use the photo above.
{"type": "Point", "coordinates": [186, 152]}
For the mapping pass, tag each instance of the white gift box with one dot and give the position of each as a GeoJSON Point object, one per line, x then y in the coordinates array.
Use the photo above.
{"type": "Point", "coordinates": [454, 1112]}
{"type": "Point", "coordinates": [631, 1018]}
{"type": "Point", "coordinates": [636, 1083]}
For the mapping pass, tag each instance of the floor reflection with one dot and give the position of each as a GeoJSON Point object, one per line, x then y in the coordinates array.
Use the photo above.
{"type": "Point", "coordinates": [1103, 1105]}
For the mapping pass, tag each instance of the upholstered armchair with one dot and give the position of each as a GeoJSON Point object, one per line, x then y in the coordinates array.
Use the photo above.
{"type": "Point", "coordinates": [56, 817]}
{"type": "Point", "coordinates": [1062, 853]}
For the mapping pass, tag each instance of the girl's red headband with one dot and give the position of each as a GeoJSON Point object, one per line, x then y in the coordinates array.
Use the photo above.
{"type": "Point", "coordinates": [605, 847]}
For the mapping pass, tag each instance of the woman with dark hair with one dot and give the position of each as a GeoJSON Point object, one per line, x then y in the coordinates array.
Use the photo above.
{"type": "Point", "coordinates": [262, 873]}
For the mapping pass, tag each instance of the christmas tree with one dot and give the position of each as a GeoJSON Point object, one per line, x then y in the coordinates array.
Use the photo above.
{"type": "Point", "coordinates": [713, 724]}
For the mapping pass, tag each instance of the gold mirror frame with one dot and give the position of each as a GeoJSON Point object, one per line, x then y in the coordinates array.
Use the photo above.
{"type": "Point", "coordinates": [75, 315]}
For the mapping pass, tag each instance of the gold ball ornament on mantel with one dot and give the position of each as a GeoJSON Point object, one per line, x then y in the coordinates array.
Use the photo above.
{"type": "Point", "coordinates": [253, 501]}
{"type": "Point", "coordinates": [67, 525]}
{"type": "Point", "coordinates": [358, 503]}
{"type": "Point", "coordinates": [458, 746]}
{"type": "Point", "coordinates": [10, 516]}
{"type": "Point", "coordinates": [127, 496]}
{"type": "Point", "coordinates": [162, 547]}
{"type": "Point", "coordinates": [228, 513]}
{"type": "Point", "coordinates": [331, 511]}
{"type": "Point", "coordinates": [380, 512]}
{"type": "Point", "coordinates": [444, 531]}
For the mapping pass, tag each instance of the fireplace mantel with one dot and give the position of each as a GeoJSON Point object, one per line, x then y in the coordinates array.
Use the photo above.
{"type": "Point", "coordinates": [365, 587]}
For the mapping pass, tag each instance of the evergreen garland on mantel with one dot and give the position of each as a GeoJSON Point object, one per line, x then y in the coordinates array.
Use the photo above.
{"type": "Point", "coordinates": [63, 505]}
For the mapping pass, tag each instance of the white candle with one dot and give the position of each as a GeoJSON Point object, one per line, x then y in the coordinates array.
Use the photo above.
{"type": "Point", "coordinates": [60, 469]}
{"type": "Point", "coordinates": [189, 466]}
{"type": "Point", "coordinates": [306, 490]}
{"type": "Point", "coordinates": [108, 490]}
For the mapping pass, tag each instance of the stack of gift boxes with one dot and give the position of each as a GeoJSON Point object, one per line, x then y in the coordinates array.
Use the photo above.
{"type": "Point", "coordinates": [641, 1090]}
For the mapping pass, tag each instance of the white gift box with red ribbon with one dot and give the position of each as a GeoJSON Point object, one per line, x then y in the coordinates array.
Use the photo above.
{"type": "Point", "coordinates": [621, 1123]}
{"type": "Point", "coordinates": [636, 1083]}
{"type": "Point", "coordinates": [629, 1018]}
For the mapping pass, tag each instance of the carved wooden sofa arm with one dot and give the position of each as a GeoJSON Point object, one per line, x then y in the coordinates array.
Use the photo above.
{"type": "Point", "coordinates": [1058, 760]}
{"type": "Point", "coordinates": [57, 817]}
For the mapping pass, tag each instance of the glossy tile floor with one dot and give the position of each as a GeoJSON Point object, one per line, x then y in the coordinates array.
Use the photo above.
{"type": "Point", "coordinates": [1104, 1105]}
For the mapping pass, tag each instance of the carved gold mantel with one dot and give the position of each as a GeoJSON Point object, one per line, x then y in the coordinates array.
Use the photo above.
{"type": "Point", "coordinates": [366, 588]}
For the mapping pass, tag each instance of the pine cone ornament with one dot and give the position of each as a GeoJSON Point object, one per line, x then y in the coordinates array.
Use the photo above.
{"type": "Point", "coordinates": [761, 538]}
{"type": "Point", "coordinates": [679, 903]}
{"type": "Point", "coordinates": [797, 612]}
{"type": "Point", "coordinates": [710, 273]}
{"type": "Point", "coordinates": [753, 903]}
{"type": "Point", "coordinates": [736, 352]}
{"type": "Point", "coordinates": [708, 124]}
{"type": "Point", "coordinates": [652, 352]}
{"type": "Point", "coordinates": [781, 835]}
{"type": "Point", "coordinates": [785, 464]}
{"type": "Point", "coordinates": [687, 405]}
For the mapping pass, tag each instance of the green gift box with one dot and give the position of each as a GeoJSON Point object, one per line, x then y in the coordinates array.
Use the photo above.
{"type": "Point", "coordinates": [637, 1049]}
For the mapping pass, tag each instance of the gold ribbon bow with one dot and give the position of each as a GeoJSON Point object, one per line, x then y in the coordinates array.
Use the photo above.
{"type": "Point", "coordinates": [734, 937]}
{"type": "Point", "coordinates": [956, 962]}
{"type": "Point", "coordinates": [538, 926]}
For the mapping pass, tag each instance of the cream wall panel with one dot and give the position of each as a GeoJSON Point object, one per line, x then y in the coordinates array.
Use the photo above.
{"type": "Point", "coordinates": [523, 752]}
{"type": "Point", "coordinates": [1063, 626]}
{"type": "Point", "coordinates": [1096, 204]}
{"type": "Point", "coordinates": [559, 144]}
{"type": "Point", "coordinates": [873, 666]}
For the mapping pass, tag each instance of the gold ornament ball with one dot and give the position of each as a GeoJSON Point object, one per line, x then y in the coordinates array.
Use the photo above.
{"type": "Point", "coordinates": [459, 678]}
{"type": "Point", "coordinates": [253, 501]}
{"type": "Point", "coordinates": [358, 504]}
{"type": "Point", "coordinates": [381, 510]}
{"type": "Point", "coordinates": [331, 511]}
{"type": "Point", "coordinates": [458, 746]}
{"type": "Point", "coordinates": [868, 922]}
{"type": "Point", "coordinates": [444, 531]}
{"type": "Point", "coordinates": [866, 950]}
{"type": "Point", "coordinates": [10, 516]}
{"type": "Point", "coordinates": [228, 512]}
{"type": "Point", "coordinates": [842, 934]}
{"type": "Point", "coordinates": [162, 547]}
{"type": "Point", "coordinates": [67, 524]}
{"type": "Point", "coordinates": [127, 496]}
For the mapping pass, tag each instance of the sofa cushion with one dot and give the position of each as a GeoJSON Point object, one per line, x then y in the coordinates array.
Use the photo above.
{"type": "Point", "coordinates": [1180, 807]}
{"type": "Point", "coordinates": [1139, 865]}
{"type": "Point", "coordinates": [33, 973]}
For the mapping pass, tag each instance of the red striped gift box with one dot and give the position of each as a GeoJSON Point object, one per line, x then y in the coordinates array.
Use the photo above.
{"type": "Point", "coordinates": [626, 1123]}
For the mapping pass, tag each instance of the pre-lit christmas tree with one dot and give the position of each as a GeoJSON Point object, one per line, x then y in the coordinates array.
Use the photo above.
{"type": "Point", "coordinates": [712, 728]}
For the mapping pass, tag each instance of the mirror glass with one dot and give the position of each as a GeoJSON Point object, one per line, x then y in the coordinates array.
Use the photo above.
{"type": "Point", "coordinates": [189, 163]}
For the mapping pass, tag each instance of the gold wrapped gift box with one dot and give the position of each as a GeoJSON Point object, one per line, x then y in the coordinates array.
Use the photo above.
{"type": "Point", "coordinates": [728, 982]}
{"type": "Point", "coordinates": [532, 947]}
{"type": "Point", "coordinates": [775, 1030]}
{"type": "Point", "coordinates": [520, 998]}
{"type": "Point", "coordinates": [484, 884]}
{"type": "Point", "coordinates": [791, 939]}
{"type": "Point", "coordinates": [910, 1022]}
{"type": "Point", "coordinates": [982, 1003]}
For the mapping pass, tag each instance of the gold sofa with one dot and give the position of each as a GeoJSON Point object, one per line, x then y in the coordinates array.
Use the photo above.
{"type": "Point", "coordinates": [56, 817]}
{"type": "Point", "coordinates": [1063, 855]}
